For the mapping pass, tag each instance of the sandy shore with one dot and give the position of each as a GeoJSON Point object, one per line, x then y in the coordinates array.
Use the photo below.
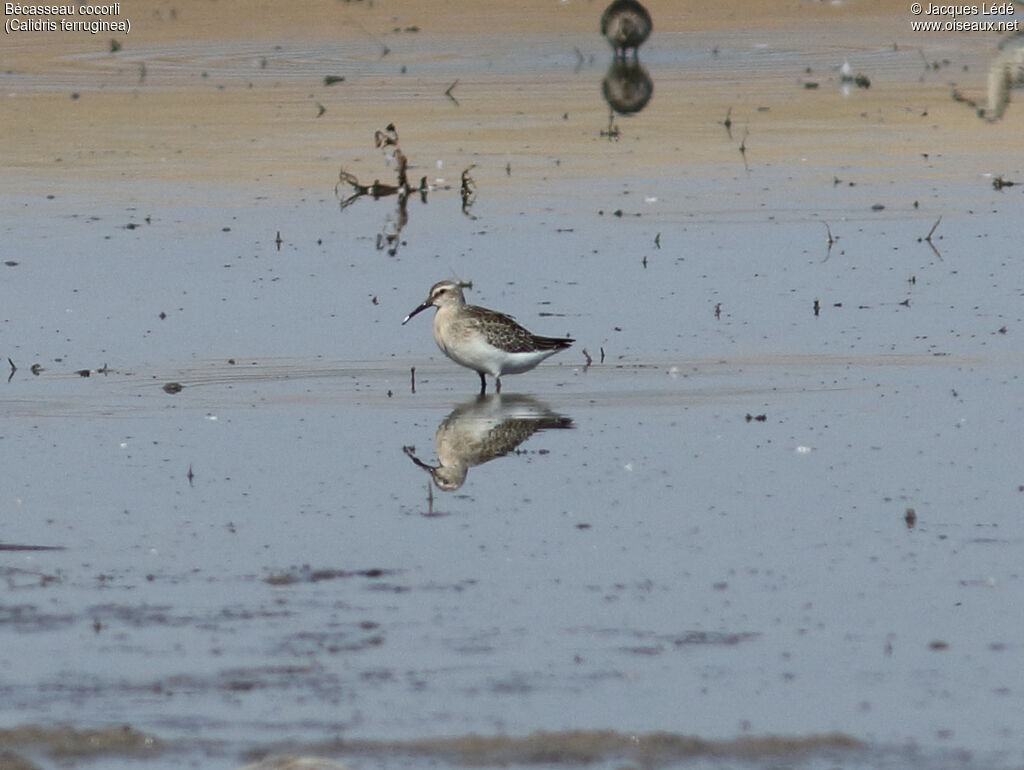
{"type": "Point", "coordinates": [234, 92]}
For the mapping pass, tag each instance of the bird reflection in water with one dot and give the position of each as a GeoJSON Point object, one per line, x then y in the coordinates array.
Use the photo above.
{"type": "Point", "coordinates": [483, 429]}
{"type": "Point", "coordinates": [627, 86]}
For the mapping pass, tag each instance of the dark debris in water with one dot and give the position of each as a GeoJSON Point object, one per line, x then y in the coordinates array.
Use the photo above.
{"type": "Point", "coordinates": [307, 574]}
{"type": "Point", "coordinates": [16, 577]}
{"type": "Point", "coordinates": [656, 644]}
{"type": "Point", "coordinates": [391, 236]}
{"type": "Point", "coordinates": [29, 618]}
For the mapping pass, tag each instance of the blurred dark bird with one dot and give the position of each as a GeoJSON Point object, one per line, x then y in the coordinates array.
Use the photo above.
{"type": "Point", "coordinates": [627, 25]}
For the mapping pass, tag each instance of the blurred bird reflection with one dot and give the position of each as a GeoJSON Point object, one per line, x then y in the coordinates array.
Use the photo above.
{"type": "Point", "coordinates": [627, 87]}
{"type": "Point", "coordinates": [482, 429]}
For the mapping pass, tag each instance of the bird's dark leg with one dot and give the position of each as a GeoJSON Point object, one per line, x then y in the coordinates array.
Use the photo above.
{"type": "Point", "coordinates": [497, 384]}
{"type": "Point", "coordinates": [483, 383]}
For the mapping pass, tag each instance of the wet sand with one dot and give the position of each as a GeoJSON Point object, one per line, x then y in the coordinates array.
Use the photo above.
{"type": "Point", "coordinates": [230, 92]}
{"type": "Point", "coordinates": [781, 520]}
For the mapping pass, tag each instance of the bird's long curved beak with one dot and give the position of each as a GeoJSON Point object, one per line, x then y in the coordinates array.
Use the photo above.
{"type": "Point", "coordinates": [420, 309]}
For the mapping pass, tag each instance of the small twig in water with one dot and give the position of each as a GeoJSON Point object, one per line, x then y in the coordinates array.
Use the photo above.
{"type": "Point", "coordinates": [448, 92]}
{"type": "Point", "coordinates": [403, 164]}
{"type": "Point", "coordinates": [468, 191]}
{"type": "Point", "coordinates": [928, 238]}
{"type": "Point", "coordinates": [831, 241]}
{"type": "Point", "coordinates": [612, 132]}
{"type": "Point", "coordinates": [384, 50]}
{"type": "Point", "coordinates": [386, 138]}
{"type": "Point", "coordinates": [580, 59]}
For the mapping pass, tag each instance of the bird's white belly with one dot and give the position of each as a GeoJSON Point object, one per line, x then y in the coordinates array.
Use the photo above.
{"type": "Point", "coordinates": [516, 363]}
{"type": "Point", "coordinates": [474, 352]}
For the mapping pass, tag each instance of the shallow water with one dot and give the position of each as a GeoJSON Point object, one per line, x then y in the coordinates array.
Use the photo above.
{"type": "Point", "coordinates": [777, 513]}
